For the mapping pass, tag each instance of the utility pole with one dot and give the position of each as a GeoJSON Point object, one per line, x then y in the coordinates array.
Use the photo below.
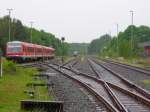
{"type": "Point", "coordinates": [9, 12]}
{"type": "Point", "coordinates": [109, 32]}
{"type": "Point", "coordinates": [132, 44]}
{"type": "Point", "coordinates": [117, 26]}
{"type": "Point", "coordinates": [31, 23]}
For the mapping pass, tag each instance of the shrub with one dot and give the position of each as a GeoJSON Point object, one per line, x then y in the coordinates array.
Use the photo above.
{"type": "Point", "coordinates": [9, 67]}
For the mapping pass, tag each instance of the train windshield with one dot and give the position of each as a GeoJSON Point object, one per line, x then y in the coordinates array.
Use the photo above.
{"type": "Point", "coordinates": [14, 49]}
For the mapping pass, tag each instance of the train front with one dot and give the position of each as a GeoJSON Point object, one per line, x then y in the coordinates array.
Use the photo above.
{"type": "Point", "coordinates": [14, 50]}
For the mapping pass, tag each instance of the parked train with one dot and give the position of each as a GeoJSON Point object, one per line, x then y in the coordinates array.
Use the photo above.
{"type": "Point", "coordinates": [23, 51]}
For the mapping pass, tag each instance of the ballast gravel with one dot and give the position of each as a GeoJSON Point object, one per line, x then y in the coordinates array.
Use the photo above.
{"type": "Point", "coordinates": [75, 100]}
{"type": "Point", "coordinates": [134, 76]}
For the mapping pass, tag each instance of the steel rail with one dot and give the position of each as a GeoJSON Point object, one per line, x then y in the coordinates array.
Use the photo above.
{"type": "Point", "coordinates": [137, 88]}
{"type": "Point", "coordinates": [86, 86]}
{"type": "Point", "coordinates": [136, 96]}
{"type": "Point", "coordinates": [118, 103]}
{"type": "Point", "coordinates": [133, 95]}
{"type": "Point", "coordinates": [141, 99]}
{"type": "Point", "coordinates": [68, 62]}
{"type": "Point", "coordinates": [138, 69]}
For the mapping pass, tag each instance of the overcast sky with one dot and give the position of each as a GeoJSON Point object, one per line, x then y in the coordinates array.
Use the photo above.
{"type": "Point", "coordinates": [78, 20]}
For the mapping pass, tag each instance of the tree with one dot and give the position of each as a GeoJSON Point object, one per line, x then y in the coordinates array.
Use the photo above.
{"type": "Point", "coordinates": [97, 45]}
{"type": "Point", "coordinates": [121, 45]}
{"type": "Point", "coordinates": [19, 32]}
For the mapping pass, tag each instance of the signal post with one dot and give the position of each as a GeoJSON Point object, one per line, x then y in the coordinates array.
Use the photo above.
{"type": "Point", "coordinates": [62, 42]}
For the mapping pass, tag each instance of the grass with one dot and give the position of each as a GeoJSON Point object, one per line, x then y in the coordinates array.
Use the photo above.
{"type": "Point", "coordinates": [67, 58]}
{"type": "Point", "coordinates": [13, 84]}
{"type": "Point", "coordinates": [138, 61]}
{"type": "Point", "coordinates": [41, 92]}
{"type": "Point", "coordinates": [146, 82]}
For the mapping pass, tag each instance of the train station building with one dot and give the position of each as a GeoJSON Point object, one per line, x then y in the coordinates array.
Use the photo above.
{"type": "Point", "coordinates": [146, 46]}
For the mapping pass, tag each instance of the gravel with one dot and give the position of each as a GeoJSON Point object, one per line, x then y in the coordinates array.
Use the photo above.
{"type": "Point", "coordinates": [75, 98]}
{"type": "Point", "coordinates": [55, 61]}
{"type": "Point", "coordinates": [84, 67]}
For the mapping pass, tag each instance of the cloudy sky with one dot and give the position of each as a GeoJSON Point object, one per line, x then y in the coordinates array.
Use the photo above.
{"type": "Point", "coordinates": [78, 20]}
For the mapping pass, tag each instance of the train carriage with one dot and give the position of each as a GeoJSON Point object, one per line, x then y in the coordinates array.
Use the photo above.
{"type": "Point", "coordinates": [22, 51]}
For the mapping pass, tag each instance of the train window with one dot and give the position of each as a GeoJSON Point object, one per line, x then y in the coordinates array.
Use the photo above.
{"type": "Point", "coordinates": [14, 49]}
{"type": "Point", "coordinates": [24, 49]}
{"type": "Point", "coordinates": [30, 49]}
{"type": "Point", "coordinates": [39, 50]}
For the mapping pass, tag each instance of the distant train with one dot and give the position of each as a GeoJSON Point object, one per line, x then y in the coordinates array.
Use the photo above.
{"type": "Point", "coordinates": [23, 51]}
{"type": "Point", "coordinates": [75, 53]}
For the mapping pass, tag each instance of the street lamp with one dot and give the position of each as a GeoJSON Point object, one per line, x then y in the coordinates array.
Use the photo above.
{"type": "Point", "coordinates": [62, 41]}
{"type": "Point", "coordinates": [9, 12]}
{"type": "Point", "coordinates": [31, 23]}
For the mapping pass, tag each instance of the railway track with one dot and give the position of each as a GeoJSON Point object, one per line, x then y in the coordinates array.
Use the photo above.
{"type": "Point", "coordinates": [137, 76]}
{"type": "Point", "coordinates": [120, 99]}
{"type": "Point", "coordinates": [84, 66]}
{"type": "Point", "coordinates": [110, 76]}
{"type": "Point", "coordinates": [129, 88]}
{"type": "Point", "coordinates": [71, 62]}
{"type": "Point", "coordinates": [115, 98]}
{"type": "Point", "coordinates": [107, 106]}
{"type": "Point", "coordinates": [126, 101]}
{"type": "Point", "coordinates": [134, 68]}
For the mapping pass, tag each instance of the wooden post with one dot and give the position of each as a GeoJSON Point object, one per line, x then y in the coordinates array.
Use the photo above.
{"type": "Point", "coordinates": [1, 66]}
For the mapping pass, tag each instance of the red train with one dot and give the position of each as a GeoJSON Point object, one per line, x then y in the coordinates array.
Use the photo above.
{"type": "Point", "coordinates": [22, 51]}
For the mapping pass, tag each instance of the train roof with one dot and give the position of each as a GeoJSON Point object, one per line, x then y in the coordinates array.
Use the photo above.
{"type": "Point", "coordinates": [30, 44]}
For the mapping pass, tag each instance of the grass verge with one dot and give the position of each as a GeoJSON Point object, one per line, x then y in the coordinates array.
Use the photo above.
{"type": "Point", "coordinates": [146, 82]}
{"type": "Point", "coordinates": [13, 84]}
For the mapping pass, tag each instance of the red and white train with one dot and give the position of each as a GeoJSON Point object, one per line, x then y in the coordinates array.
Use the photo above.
{"type": "Point", "coordinates": [22, 51]}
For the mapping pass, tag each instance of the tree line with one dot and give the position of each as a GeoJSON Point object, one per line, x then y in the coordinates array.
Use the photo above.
{"type": "Point", "coordinates": [97, 45]}
{"type": "Point", "coordinates": [20, 32]}
{"type": "Point", "coordinates": [125, 44]}
{"type": "Point", "coordinates": [81, 48]}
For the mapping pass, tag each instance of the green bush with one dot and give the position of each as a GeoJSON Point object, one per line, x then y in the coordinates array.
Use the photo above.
{"type": "Point", "coordinates": [9, 66]}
